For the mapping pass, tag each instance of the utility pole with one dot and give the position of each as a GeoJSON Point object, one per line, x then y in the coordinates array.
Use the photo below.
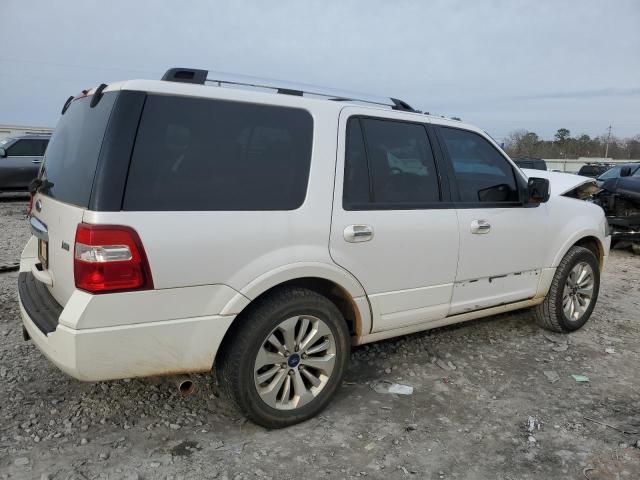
{"type": "Point", "coordinates": [606, 150]}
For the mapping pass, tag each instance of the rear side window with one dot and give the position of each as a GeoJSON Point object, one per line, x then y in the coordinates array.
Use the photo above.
{"type": "Point", "coordinates": [482, 173]}
{"type": "Point", "coordinates": [388, 164]}
{"type": "Point", "coordinates": [72, 155]}
{"type": "Point", "coordinates": [200, 154]}
{"type": "Point", "coordinates": [28, 148]}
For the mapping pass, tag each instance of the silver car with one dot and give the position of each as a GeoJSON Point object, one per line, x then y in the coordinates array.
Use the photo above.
{"type": "Point", "coordinates": [20, 159]}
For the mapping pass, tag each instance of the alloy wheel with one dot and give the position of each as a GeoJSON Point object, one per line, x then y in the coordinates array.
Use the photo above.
{"type": "Point", "coordinates": [578, 291]}
{"type": "Point", "coordinates": [295, 362]}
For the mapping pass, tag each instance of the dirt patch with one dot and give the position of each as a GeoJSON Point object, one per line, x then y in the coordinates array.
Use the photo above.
{"type": "Point", "coordinates": [484, 405]}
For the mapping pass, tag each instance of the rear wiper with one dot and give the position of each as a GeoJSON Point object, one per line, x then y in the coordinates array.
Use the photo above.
{"type": "Point", "coordinates": [39, 185]}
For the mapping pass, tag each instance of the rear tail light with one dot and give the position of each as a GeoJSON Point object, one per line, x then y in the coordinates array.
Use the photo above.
{"type": "Point", "coordinates": [110, 258]}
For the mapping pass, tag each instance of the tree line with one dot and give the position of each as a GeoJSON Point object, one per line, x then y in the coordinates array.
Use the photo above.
{"type": "Point", "coordinates": [522, 143]}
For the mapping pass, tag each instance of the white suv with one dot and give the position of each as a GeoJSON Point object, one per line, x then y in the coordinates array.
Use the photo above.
{"type": "Point", "coordinates": [189, 223]}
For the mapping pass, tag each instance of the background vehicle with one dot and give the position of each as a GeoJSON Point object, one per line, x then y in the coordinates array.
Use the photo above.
{"type": "Point", "coordinates": [620, 170]}
{"type": "Point", "coordinates": [594, 170]}
{"type": "Point", "coordinates": [179, 226]}
{"type": "Point", "coordinates": [532, 163]}
{"type": "Point", "coordinates": [20, 159]}
{"type": "Point", "coordinates": [619, 197]}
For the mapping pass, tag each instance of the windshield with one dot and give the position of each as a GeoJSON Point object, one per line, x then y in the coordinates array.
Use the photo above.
{"type": "Point", "coordinates": [72, 155]}
{"type": "Point", "coordinates": [611, 173]}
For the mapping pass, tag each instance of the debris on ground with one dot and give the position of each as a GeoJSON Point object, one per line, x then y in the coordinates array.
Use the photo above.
{"type": "Point", "coordinates": [556, 338]}
{"type": "Point", "coordinates": [384, 386]}
{"type": "Point", "coordinates": [580, 378]}
{"type": "Point", "coordinates": [623, 431]}
{"type": "Point", "coordinates": [9, 267]}
{"type": "Point", "coordinates": [561, 348]}
{"type": "Point", "coordinates": [552, 375]}
{"type": "Point", "coordinates": [610, 350]}
{"type": "Point", "coordinates": [533, 424]}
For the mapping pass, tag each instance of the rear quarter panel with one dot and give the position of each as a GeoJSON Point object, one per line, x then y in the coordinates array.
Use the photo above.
{"type": "Point", "coordinates": [236, 248]}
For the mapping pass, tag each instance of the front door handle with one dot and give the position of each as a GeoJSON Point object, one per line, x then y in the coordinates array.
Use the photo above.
{"type": "Point", "coordinates": [358, 233]}
{"type": "Point", "coordinates": [480, 226]}
{"type": "Point", "coordinates": [36, 161]}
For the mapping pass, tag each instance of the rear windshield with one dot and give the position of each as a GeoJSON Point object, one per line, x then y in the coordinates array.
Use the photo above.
{"type": "Point", "coordinates": [72, 155]}
{"type": "Point", "coordinates": [589, 170]}
{"type": "Point", "coordinates": [202, 154]}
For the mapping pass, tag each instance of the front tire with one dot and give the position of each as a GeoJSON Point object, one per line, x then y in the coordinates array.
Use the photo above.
{"type": "Point", "coordinates": [286, 358]}
{"type": "Point", "coordinates": [573, 292]}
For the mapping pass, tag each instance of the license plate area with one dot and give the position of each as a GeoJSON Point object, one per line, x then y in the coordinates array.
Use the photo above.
{"type": "Point", "coordinates": [43, 253]}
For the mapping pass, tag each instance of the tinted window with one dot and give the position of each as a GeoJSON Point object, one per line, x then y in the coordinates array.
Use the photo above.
{"type": "Point", "coordinates": [611, 173]}
{"type": "Point", "coordinates": [482, 173]}
{"type": "Point", "coordinates": [28, 148]}
{"type": "Point", "coordinates": [399, 168]}
{"type": "Point", "coordinates": [592, 170]}
{"type": "Point", "coordinates": [356, 171]}
{"type": "Point", "coordinates": [72, 155]}
{"type": "Point", "coordinates": [195, 154]}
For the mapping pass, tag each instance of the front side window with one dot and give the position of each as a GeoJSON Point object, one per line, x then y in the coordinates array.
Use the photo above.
{"type": "Point", "coordinates": [27, 148]}
{"type": "Point", "coordinates": [202, 154]}
{"type": "Point", "coordinates": [481, 172]}
{"type": "Point", "coordinates": [388, 163]}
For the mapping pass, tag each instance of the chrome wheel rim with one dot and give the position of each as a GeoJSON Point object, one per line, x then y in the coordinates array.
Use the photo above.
{"type": "Point", "coordinates": [578, 291]}
{"type": "Point", "coordinates": [295, 362]}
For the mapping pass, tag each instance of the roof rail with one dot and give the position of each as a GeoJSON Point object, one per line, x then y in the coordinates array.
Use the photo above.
{"type": "Point", "coordinates": [201, 77]}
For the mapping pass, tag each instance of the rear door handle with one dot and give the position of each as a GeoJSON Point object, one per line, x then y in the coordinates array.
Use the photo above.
{"type": "Point", "coordinates": [358, 233]}
{"type": "Point", "coordinates": [480, 226]}
{"type": "Point", "coordinates": [36, 161]}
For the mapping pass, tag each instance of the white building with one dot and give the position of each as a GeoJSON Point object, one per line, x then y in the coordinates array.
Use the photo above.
{"type": "Point", "coordinates": [15, 130]}
{"type": "Point", "coordinates": [573, 165]}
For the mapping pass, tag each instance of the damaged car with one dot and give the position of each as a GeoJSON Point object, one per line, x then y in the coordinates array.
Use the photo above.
{"type": "Point", "coordinates": [620, 200]}
{"type": "Point", "coordinates": [618, 196]}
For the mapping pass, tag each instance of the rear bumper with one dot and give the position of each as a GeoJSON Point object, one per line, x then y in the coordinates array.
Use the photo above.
{"type": "Point", "coordinates": [162, 347]}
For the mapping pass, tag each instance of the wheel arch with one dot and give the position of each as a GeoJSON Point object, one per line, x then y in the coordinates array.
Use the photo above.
{"type": "Point", "coordinates": [337, 285]}
{"type": "Point", "coordinates": [589, 240]}
{"type": "Point", "coordinates": [594, 245]}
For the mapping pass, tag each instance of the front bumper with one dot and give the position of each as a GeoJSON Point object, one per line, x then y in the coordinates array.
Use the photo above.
{"type": "Point", "coordinates": [163, 347]}
{"type": "Point", "coordinates": [625, 228]}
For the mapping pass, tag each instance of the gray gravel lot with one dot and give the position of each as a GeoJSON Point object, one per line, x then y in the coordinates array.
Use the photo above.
{"type": "Point", "coordinates": [493, 399]}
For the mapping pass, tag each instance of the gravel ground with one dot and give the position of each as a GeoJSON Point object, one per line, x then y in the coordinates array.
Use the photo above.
{"type": "Point", "coordinates": [493, 399]}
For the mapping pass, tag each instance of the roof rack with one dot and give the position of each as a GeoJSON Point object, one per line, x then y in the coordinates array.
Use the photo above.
{"type": "Point", "coordinates": [201, 77]}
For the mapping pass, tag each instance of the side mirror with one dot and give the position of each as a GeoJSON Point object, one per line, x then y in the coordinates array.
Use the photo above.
{"type": "Point", "coordinates": [538, 189]}
{"type": "Point", "coordinates": [625, 172]}
{"type": "Point", "coordinates": [3, 152]}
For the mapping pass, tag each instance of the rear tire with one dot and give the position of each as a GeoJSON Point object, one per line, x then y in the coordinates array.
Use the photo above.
{"type": "Point", "coordinates": [286, 358]}
{"type": "Point", "coordinates": [573, 292]}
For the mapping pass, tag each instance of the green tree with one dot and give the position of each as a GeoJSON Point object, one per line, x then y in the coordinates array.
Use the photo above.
{"type": "Point", "coordinates": [562, 134]}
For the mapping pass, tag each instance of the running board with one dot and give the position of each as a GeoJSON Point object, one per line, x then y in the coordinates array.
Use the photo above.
{"type": "Point", "coordinates": [461, 317]}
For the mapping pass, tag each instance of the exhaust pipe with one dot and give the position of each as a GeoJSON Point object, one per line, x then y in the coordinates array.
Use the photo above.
{"type": "Point", "coordinates": [185, 384]}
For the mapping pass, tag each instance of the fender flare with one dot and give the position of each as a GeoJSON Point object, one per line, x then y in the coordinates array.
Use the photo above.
{"type": "Point", "coordinates": [299, 270]}
{"type": "Point", "coordinates": [575, 238]}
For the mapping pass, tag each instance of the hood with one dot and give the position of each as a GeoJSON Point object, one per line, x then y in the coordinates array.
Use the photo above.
{"type": "Point", "coordinates": [628, 187]}
{"type": "Point", "coordinates": [560, 182]}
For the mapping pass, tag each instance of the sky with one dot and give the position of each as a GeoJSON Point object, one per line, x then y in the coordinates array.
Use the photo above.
{"type": "Point", "coordinates": [538, 65]}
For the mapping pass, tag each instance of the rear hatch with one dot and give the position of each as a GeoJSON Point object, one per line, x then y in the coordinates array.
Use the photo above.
{"type": "Point", "coordinates": [65, 188]}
